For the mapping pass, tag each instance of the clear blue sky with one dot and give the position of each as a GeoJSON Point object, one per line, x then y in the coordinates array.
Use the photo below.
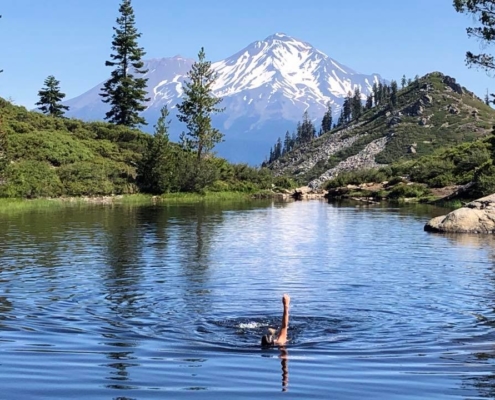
{"type": "Point", "coordinates": [71, 38]}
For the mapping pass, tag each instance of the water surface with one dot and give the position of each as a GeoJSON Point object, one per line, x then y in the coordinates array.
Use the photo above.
{"type": "Point", "coordinates": [127, 302]}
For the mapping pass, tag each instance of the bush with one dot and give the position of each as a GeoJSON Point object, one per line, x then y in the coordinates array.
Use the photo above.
{"type": "Point", "coordinates": [408, 191]}
{"type": "Point", "coordinates": [31, 179]}
{"type": "Point", "coordinates": [484, 181]}
{"type": "Point", "coordinates": [85, 179]}
{"type": "Point", "coordinates": [57, 148]}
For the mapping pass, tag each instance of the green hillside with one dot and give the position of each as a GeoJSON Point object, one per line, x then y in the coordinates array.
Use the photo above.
{"type": "Point", "coordinates": [432, 113]}
{"type": "Point", "coordinates": [52, 157]}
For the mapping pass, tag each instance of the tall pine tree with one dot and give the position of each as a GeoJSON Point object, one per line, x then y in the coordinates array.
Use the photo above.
{"type": "Point", "coordinates": [403, 81]}
{"type": "Point", "coordinates": [308, 131]}
{"type": "Point", "coordinates": [393, 94]}
{"type": "Point", "coordinates": [155, 171]}
{"type": "Point", "coordinates": [347, 108]}
{"type": "Point", "coordinates": [369, 101]}
{"type": "Point", "coordinates": [326, 122]}
{"type": "Point", "coordinates": [50, 98]}
{"type": "Point", "coordinates": [125, 91]}
{"type": "Point", "coordinates": [357, 105]}
{"type": "Point", "coordinates": [198, 105]}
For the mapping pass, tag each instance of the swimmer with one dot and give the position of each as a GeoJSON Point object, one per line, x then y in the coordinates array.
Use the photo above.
{"type": "Point", "coordinates": [271, 339]}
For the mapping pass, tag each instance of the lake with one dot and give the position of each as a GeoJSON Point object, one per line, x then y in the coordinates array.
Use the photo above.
{"type": "Point", "coordinates": [170, 301]}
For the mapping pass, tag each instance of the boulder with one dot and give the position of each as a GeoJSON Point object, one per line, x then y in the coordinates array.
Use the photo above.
{"type": "Point", "coordinates": [451, 83]}
{"type": "Point", "coordinates": [475, 217]}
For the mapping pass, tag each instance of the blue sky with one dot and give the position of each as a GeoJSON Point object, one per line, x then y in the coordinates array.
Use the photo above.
{"type": "Point", "coordinates": [71, 38]}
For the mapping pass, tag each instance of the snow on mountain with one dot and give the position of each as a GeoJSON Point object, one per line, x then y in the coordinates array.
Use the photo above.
{"type": "Point", "coordinates": [266, 88]}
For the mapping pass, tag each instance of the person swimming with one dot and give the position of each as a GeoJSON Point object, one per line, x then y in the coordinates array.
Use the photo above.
{"type": "Point", "coordinates": [271, 338]}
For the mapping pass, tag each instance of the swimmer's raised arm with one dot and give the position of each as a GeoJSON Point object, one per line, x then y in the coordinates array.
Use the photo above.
{"type": "Point", "coordinates": [282, 336]}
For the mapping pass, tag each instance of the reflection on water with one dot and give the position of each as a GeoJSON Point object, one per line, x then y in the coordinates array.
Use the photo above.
{"type": "Point", "coordinates": [142, 302]}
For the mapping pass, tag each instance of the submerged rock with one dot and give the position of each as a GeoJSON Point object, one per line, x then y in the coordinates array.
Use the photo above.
{"type": "Point", "coordinates": [475, 217]}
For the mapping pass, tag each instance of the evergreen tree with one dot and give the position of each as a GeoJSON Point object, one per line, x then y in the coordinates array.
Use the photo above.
{"type": "Point", "coordinates": [287, 143]}
{"type": "Point", "coordinates": [198, 105]}
{"type": "Point", "coordinates": [326, 122]}
{"type": "Point", "coordinates": [308, 131]}
{"type": "Point", "coordinates": [340, 121]}
{"type": "Point", "coordinates": [293, 141]}
{"type": "Point", "coordinates": [393, 94]}
{"type": "Point", "coordinates": [125, 92]}
{"type": "Point", "coordinates": [403, 81]}
{"type": "Point", "coordinates": [484, 12]}
{"type": "Point", "coordinates": [381, 93]}
{"type": "Point", "coordinates": [347, 108]}
{"type": "Point", "coordinates": [278, 149]}
{"type": "Point", "coordinates": [357, 105]}
{"type": "Point", "coordinates": [487, 98]}
{"type": "Point", "coordinates": [156, 169]}
{"type": "Point", "coordinates": [409, 81]}
{"type": "Point", "coordinates": [50, 98]}
{"type": "Point", "coordinates": [375, 93]}
{"type": "Point", "coordinates": [369, 102]}
{"type": "Point", "coordinates": [271, 158]}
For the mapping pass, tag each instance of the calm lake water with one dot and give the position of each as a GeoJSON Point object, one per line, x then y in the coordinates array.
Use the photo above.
{"type": "Point", "coordinates": [130, 302]}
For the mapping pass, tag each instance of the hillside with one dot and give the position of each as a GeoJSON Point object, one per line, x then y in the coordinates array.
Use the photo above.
{"type": "Point", "coordinates": [432, 113]}
{"type": "Point", "coordinates": [52, 157]}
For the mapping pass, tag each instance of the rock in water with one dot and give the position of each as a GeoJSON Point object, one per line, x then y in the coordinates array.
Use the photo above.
{"type": "Point", "coordinates": [475, 217]}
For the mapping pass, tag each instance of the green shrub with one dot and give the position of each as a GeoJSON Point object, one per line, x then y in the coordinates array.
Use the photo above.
{"type": "Point", "coordinates": [31, 179]}
{"type": "Point", "coordinates": [408, 191]}
{"type": "Point", "coordinates": [57, 148]}
{"type": "Point", "coordinates": [85, 179]}
{"type": "Point", "coordinates": [484, 181]}
{"type": "Point", "coordinates": [442, 180]}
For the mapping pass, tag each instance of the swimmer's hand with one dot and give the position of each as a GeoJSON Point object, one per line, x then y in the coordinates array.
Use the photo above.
{"type": "Point", "coordinates": [286, 300]}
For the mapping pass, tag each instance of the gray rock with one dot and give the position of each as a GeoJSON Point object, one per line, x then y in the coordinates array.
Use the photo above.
{"type": "Point", "coordinates": [451, 83]}
{"type": "Point", "coordinates": [394, 121]}
{"type": "Point", "coordinates": [475, 217]}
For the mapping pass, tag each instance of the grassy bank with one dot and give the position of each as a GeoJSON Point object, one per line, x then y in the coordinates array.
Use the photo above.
{"type": "Point", "coordinates": [11, 206]}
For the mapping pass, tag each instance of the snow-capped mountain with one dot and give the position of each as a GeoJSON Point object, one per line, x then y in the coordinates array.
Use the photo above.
{"type": "Point", "coordinates": [265, 87]}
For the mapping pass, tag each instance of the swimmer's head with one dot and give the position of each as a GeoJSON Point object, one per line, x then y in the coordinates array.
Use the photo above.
{"type": "Point", "coordinates": [268, 339]}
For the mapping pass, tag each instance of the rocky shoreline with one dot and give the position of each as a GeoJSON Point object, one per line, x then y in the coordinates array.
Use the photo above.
{"type": "Point", "coordinates": [477, 216]}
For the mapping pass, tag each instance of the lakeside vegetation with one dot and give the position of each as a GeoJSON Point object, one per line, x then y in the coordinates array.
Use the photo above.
{"type": "Point", "coordinates": [53, 157]}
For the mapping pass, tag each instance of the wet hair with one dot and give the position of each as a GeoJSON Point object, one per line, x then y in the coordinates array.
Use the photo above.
{"type": "Point", "coordinates": [267, 340]}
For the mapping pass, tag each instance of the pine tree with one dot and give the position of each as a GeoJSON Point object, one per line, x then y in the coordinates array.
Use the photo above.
{"type": "Point", "coordinates": [403, 81]}
{"type": "Point", "coordinates": [347, 108]}
{"type": "Point", "coordinates": [326, 122]}
{"type": "Point", "coordinates": [198, 105]}
{"type": "Point", "coordinates": [375, 93]}
{"type": "Point", "coordinates": [287, 143]}
{"type": "Point", "coordinates": [50, 98]}
{"type": "Point", "coordinates": [381, 93]}
{"type": "Point", "coordinates": [357, 105]}
{"type": "Point", "coordinates": [308, 131]}
{"type": "Point", "coordinates": [124, 91]}
{"type": "Point", "coordinates": [484, 12]}
{"type": "Point", "coordinates": [393, 94]}
{"type": "Point", "coordinates": [155, 170]}
{"type": "Point", "coordinates": [369, 102]}
{"type": "Point", "coordinates": [409, 81]}
{"type": "Point", "coordinates": [487, 98]}
{"type": "Point", "coordinates": [278, 149]}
